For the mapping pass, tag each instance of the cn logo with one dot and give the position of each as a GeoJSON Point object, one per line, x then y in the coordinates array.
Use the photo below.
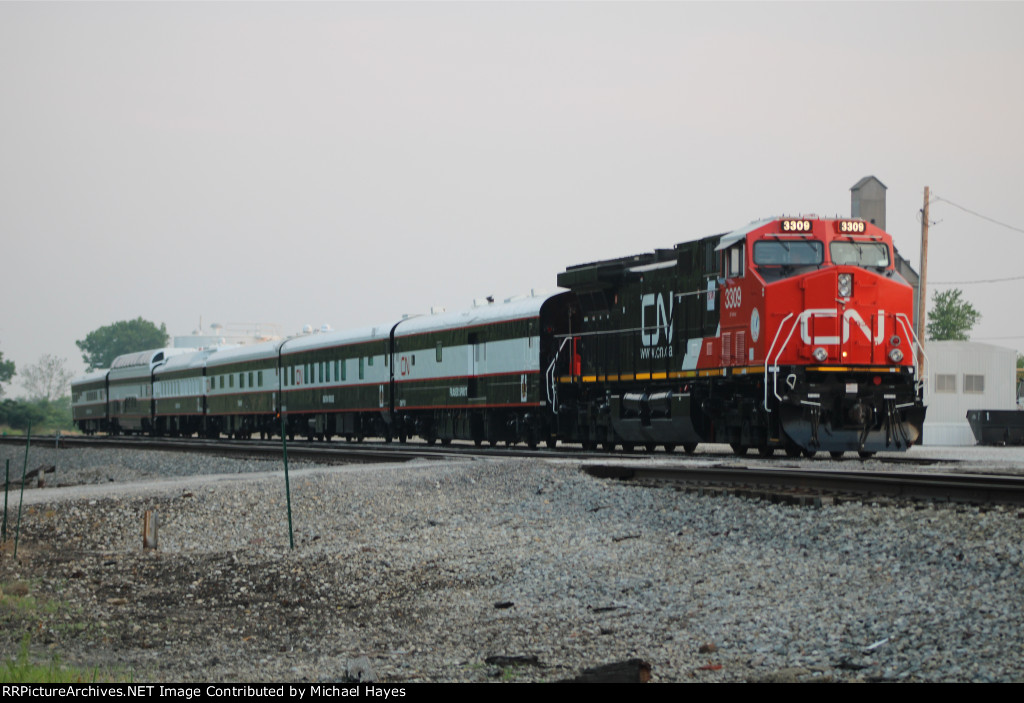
{"type": "Point", "coordinates": [849, 316]}
{"type": "Point", "coordinates": [660, 318]}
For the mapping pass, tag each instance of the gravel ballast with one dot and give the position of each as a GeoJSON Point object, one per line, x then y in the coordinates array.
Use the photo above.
{"type": "Point", "coordinates": [499, 569]}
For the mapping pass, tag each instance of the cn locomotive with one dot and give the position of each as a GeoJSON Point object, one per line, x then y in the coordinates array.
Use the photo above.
{"type": "Point", "coordinates": [793, 334]}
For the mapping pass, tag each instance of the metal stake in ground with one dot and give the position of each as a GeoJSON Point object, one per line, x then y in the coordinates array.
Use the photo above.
{"type": "Point", "coordinates": [7, 483]}
{"type": "Point", "coordinates": [287, 487]}
{"type": "Point", "coordinates": [24, 470]}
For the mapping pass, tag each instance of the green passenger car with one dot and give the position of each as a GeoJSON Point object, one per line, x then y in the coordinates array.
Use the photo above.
{"type": "Point", "coordinates": [179, 395]}
{"type": "Point", "coordinates": [130, 389]}
{"type": "Point", "coordinates": [243, 394]}
{"type": "Point", "coordinates": [338, 383]}
{"type": "Point", "coordinates": [478, 374]}
{"type": "Point", "coordinates": [89, 402]}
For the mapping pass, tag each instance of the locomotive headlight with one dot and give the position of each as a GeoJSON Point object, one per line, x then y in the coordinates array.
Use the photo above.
{"type": "Point", "coordinates": [896, 355]}
{"type": "Point", "coordinates": [820, 354]}
{"type": "Point", "coordinates": [845, 285]}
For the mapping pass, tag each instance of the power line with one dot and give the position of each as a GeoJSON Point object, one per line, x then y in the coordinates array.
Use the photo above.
{"type": "Point", "coordinates": [967, 283]}
{"type": "Point", "coordinates": [984, 217]}
{"type": "Point", "coordinates": [978, 214]}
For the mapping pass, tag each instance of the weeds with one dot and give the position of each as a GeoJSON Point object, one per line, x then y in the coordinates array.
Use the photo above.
{"type": "Point", "coordinates": [21, 670]}
{"type": "Point", "coordinates": [14, 600]}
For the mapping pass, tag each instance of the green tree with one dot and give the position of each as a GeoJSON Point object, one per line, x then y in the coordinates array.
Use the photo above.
{"type": "Point", "coordinates": [6, 371]}
{"type": "Point", "coordinates": [101, 346]}
{"type": "Point", "coordinates": [43, 415]}
{"type": "Point", "coordinates": [19, 414]}
{"type": "Point", "coordinates": [951, 316]}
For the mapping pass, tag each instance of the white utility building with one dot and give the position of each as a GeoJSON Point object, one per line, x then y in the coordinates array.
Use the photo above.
{"type": "Point", "coordinates": [964, 376]}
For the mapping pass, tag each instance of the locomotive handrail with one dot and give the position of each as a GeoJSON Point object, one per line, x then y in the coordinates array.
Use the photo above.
{"type": "Point", "coordinates": [902, 318]}
{"type": "Point", "coordinates": [598, 333]}
{"type": "Point", "coordinates": [551, 388]}
{"type": "Point", "coordinates": [774, 366]}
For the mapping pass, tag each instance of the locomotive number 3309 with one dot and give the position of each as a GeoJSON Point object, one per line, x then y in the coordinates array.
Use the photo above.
{"type": "Point", "coordinates": [731, 297]}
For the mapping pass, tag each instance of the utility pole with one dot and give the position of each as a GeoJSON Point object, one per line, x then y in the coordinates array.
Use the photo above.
{"type": "Point", "coordinates": [922, 296]}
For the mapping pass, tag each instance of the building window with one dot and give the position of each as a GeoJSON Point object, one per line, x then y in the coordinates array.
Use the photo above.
{"type": "Point", "coordinates": [945, 383]}
{"type": "Point", "coordinates": [439, 352]}
{"type": "Point", "coordinates": [974, 383]}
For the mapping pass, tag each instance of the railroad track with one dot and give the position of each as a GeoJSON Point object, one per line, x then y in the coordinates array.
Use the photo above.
{"type": "Point", "coordinates": [400, 451]}
{"type": "Point", "coordinates": [781, 480]}
{"type": "Point", "coordinates": [798, 484]}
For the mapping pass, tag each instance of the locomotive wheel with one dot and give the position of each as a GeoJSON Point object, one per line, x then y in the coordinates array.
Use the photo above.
{"type": "Point", "coordinates": [792, 451]}
{"type": "Point", "coordinates": [738, 449]}
{"type": "Point", "coordinates": [865, 455]}
{"type": "Point", "coordinates": [650, 447]}
{"type": "Point", "coordinates": [690, 447]}
{"type": "Point", "coordinates": [669, 448]}
{"type": "Point", "coordinates": [446, 441]}
{"type": "Point", "coordinates": [836, 455]}
{"type": "Point", "coordinates": [608, 446]}
{"type": "Point", "coordinates": [627, 447]}
{"type": "Point", "coordinates": [809, 453]}
{"type": "Point", "coordinates": [552, 442]}
{"type": "Point", "coordinates": [766, 452]}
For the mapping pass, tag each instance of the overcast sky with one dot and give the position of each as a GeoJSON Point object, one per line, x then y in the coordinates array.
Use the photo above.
{"type": "Point", "coordinates": [345, 163]}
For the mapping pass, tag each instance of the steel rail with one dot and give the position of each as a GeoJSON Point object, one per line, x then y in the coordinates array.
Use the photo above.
{"type": "Point", "coordinates": [972, 488]}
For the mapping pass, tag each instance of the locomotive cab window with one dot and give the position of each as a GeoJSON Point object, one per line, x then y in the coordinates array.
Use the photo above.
{"type": "Point", "coordinates": [863, 254]}
{"type": "Point", "coordinates": [780, 258]}
{"type": "Point", "coordinates": [732, 261]}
